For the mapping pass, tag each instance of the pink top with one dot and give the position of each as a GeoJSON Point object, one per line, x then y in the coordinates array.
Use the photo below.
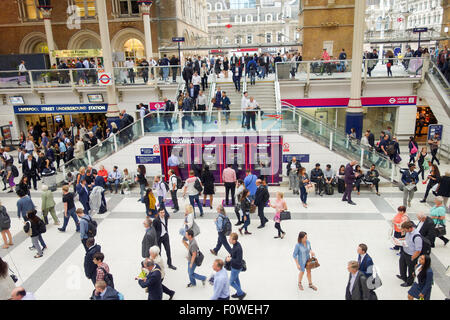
{"type": "Point", "coordinates": [279, 205]}
{"type": "Point", "coordinates": [229, 175]}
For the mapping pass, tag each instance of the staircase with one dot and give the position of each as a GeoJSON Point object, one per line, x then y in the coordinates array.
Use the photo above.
{"type": "Point", "coordinates": [263, 92]}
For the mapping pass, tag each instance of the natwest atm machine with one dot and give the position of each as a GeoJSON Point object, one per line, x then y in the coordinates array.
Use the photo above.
{"type": "Point", "coordinates": [261, 155]}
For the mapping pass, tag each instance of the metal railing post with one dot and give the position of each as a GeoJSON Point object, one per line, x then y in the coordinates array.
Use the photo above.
{"type": "Point", "coordinates": [259, 121]}
{"type": "Point", "coordinates": [72, 83]}
{"type": "Point", "coordinates": [180, 118]}
{"type": "Point", "coordinates": [115, 142]}
{"type": "Point", "coordinates": [89, 157]}
{"type": "Point", "coordinates": [299, 124]}
{"type": "Point", "coordinates": [392, 173]}
{"type": "Point", "coordinates": [64, 170]}
{"type": "Point", "coordinates": [219, 120]}
{"type": "Point", "coordinates": [331, 140]}
{"type": "Point", "coordinates": [158, 116]}
{"type": "Point", "coordinates": [30, 76]}
{"type": "Point", "coordinates": [142, 125]}
{"type": "Point", "coordinates": [362, 157]}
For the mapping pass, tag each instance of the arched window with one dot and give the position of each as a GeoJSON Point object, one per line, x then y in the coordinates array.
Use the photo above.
{"type": "Point", "coordinates": [378, 24]}
{"type": "Point", "coordinates": [249, 18]}
{"type": "Point", "coordinates": [219, 6]}
{"type": "Point", "coordinates": [208, 6]}
{"type": "Point", "coordinates": [269, 17]}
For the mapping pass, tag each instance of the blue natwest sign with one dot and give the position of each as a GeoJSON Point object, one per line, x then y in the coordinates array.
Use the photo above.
{"type": "Point", "coordinates": [62, 108]}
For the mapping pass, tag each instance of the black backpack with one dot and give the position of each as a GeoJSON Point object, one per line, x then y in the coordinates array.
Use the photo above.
{"type": "Point", "coordinates": [5, 220]}
{"type": "Point", "coordinates": [92, 227]}
{"type": "Point", "coordinates": [108, 278]}
{"type": "Point", "coordinates": [426, 244]}
{"type": "Point", "coordinates": [165, 185]}
{"type": "Point", "coordinates": [198, 186]}
{"type": "Point", "coordinates": [42, 228]}
{"type": "Point", "coordinates": [179, 183]}
{"type": "Point", "coordinates": [226, 226]}
{"type": "Point", "coordinates": [14, 171]}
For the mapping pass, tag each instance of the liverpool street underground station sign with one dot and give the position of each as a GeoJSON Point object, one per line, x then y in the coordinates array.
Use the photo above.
{"type": "Point", "coordinates": [62, 108]}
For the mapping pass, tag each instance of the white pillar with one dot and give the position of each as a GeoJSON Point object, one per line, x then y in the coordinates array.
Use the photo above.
{"type": "Point", "coordinates": [46, 13]}
{"type": "Point", "coordinates": [354, 116]}
{"type": "Point", "coordinates": [113, 109]}
{"type": "Point", "coordinates": [147, 30]}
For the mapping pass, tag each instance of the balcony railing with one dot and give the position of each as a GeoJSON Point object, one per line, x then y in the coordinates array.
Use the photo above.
{"type": "Point", "coordinates": [82, 77]}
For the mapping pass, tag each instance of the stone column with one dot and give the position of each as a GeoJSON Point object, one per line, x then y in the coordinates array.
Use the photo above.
{"type": "Point", "coordinates": [354, 112]}
{"type": "Point", "coordinates": [113, 109]}
{"type": "Point", "coordinates": [145, 9]}
{"type": "Point", "coordinates": [47, 13]}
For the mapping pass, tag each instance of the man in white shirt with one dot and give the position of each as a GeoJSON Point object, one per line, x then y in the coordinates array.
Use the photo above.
{"type": "Point", "coordinates": [86, 63]}
{"type": "Point", "coordinates": [252, 105]}
{"type": "Point", "coordinates": [114, 178]}
{"type": "Point", "coordinates": [173, 190]}
{"type": "Point", "coordinates": [201, 105]}
{"type": "Point", "coordinates": [23, 72]}
{"type": "Point", "coordinates": [196, 81]}
{"type": "Point", "coordinates": [161, 192]}
{"type": "Point", "coordinates": [129, 64]}
{"type": "Point", "coordinates": [244, 104]}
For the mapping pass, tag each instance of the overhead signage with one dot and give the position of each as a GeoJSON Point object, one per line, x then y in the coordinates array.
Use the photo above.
{"type": "Point", "coordinates": [104, 79]}
{"type": "Point", "coordinates": [79, 53]}
{"type": "Point", "coordinates": [148, 159]}
{"type": "Point", "coordinates": [178, 39]}
{"type": "Point", "coordinates": [417, 30]}
{"type": "Point", "coordinates": [146, 151]}
{"type": "Point", "coordinates": [62, 108]}
{"type": "Point", "coordinates": [343, 102]}
{"type": "Point", "coordinates": [157, 106]}
{"type": "Point", "coordinates": [302, 158]}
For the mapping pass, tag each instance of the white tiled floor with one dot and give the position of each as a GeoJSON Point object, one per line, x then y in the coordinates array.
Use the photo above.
{"type": "Point", "coordinates": [271, 270]}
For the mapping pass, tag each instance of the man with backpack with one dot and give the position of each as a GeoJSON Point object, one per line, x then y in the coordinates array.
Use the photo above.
{"type": "Point", "coordinates": [193, 187]}
{"type": "Point", "coordinates": [161, 188]}
{"type": "Point", "coordinates": [175, 183]}
{"type": "Point", "coordinates": [88, 227]}
{"type": "Point", "coordinates": [223, 225]}
{"type": "Point", "coordinates": [416, 245]}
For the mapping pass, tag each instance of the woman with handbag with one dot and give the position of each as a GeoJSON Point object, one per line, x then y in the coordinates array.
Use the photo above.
{"type": "Point", "coordinates": [188, 222]}
{"type": "Point", "coordinates": [433, 179]}
{"type": "Point", "coordinates": [245, 209]}
{"type": "Point", "coordinates": [302, 254]}
{"type": "Point", "coordinates": [207, 179]}
{"type": "Point", "coordinates": [237, 208]}
{"type": "Point", "coordinates": [437, 213]}
{"type": "Point", "coordinates": [150, 203]}
{"type": "Point", "coordinates": [5, 225]}
{"type": "Point", "coordinates": [303, 182]}
{"type": "Point", "coordinates": [421, 288]}
{"type": "Point", "coordinates": [413, 148]}
{"type": "Point", "coordinates": [35, 227]}
{"type": "Point", "coordinates": [280, 206]}
{"type": "Point", "coordinates": [6, 281]}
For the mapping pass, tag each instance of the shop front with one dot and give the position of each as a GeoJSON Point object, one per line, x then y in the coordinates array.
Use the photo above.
{"type": "Point", "coordinates": [53, 117]}
{"type": "Point", "coordinates": [379, 112]}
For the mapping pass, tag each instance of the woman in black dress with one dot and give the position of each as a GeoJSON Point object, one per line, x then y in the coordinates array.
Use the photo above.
{"type": "Point", "coordinates": [433, 178]}
{"type": "Point", "coordinates": [358, 179]}
{"type": "Point", "coordinates": [208, 183]}
{"type": "Point", "coordinates": [23, 185]}
{"type": "Point", "coordinates": [226, 67]}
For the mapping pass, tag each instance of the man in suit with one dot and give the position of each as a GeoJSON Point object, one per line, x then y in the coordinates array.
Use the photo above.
{"type": "Point", "coordinates": [364, 260]}
{"type": "Point", "coordinates": [162, 234]}
{"type": "Point", "coordinates": [90, 268]}
{"type": "Point", "coordinates": [349, 179]}
{"type": "Point", "coordinates": [234, 61]}
{"type": "Point", "coordinates": [153, 280]}
{"type": "Point", "coordinates": [187, 107]}
{"type": "Point", "coordinates": [261, 198]}
{"type": "Point", "coordinates": [425, 226]}
{"type": "Point", "coordinates": [83, 195]}
{"type": "Point", "coordinates": [30, 170]}
{"type": "Point", "coordinates": [410, 178]}
{"type": "Point", "coordinates": [150, 238]}
{"type": "Point", "coordinates": [357, 283]}
{"type": "Point", "coordinates": [237, 74]}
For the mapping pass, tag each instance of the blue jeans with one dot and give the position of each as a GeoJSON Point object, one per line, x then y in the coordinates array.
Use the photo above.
{"type": "Point", "coordinates": [303, 194]}
{"type": "Point", "coordinates": [234, 281]}
{"type": "Point", "coordinates": [165, 71]}
{"type": "Point", "coordinates": [162, 205]}
{"type": "Point", "coordinates": [246, 222]}
{"type": "Point", "coordinates": [222, 240]}
{"type": "Point", "coordinates": [142, 191]}
{"type": "Point", "coordinates": [71, 213]}
{"type": "Point", "coordinates": [244, 114]}
{"type": "Point", "coordinates": [193, 275]}
{"type": "Point", "coordinates": [197, 199]}
{"type": "Point", "coordinates": [116, 185]}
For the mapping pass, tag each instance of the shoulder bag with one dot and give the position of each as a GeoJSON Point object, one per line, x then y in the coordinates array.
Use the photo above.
{"type": "Point", "coordinates": [199, 258]}
{"type": "Point", "coordinates": [440, 230]}
{"type": "Point", "coordinates": [312, 263]}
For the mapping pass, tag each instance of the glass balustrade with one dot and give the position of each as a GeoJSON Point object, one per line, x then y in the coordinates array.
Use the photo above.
{"type": "Point", "coordinates": [147, 75]}
{"type": "Point", "coordinates": [14, 79]}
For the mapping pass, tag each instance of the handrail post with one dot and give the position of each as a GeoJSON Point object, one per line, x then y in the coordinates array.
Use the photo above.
{"type": "Point", "coordinates": [293, 114]}
{"type": "Point", "coordinates": [362, 157]}
{"type": "Point", "coordinates": [142, 125]}
{"type": "Point", "coordinates": [180, 118]}
{"type": "Point", "coordinates": [72, 84]}
{"type": "Point", "coordinates": [30, 76]}
{"type": "Point", "coordinates": [365, 70]}
{"type": "Point", "coordinates": [158, 116]}
{"type": "Point", "coordinates": [259, 121]}
{"type": "Point", "coordinates": [308, 73]}
{"type": "Point", "coordinates": [219, 120]}
{"type": "Point", "coordinates": [89, 157]}
{"type": "Point", "coordinates": [64, 170]}
{"type": "Point", "coordinates": [115, 142]}
{"type": "Point", "coordinates": [331, 140]}
{"type": "Point", "coordinates": [299, 124]}
{"type": "Point", "coordinates": [392, 173]}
